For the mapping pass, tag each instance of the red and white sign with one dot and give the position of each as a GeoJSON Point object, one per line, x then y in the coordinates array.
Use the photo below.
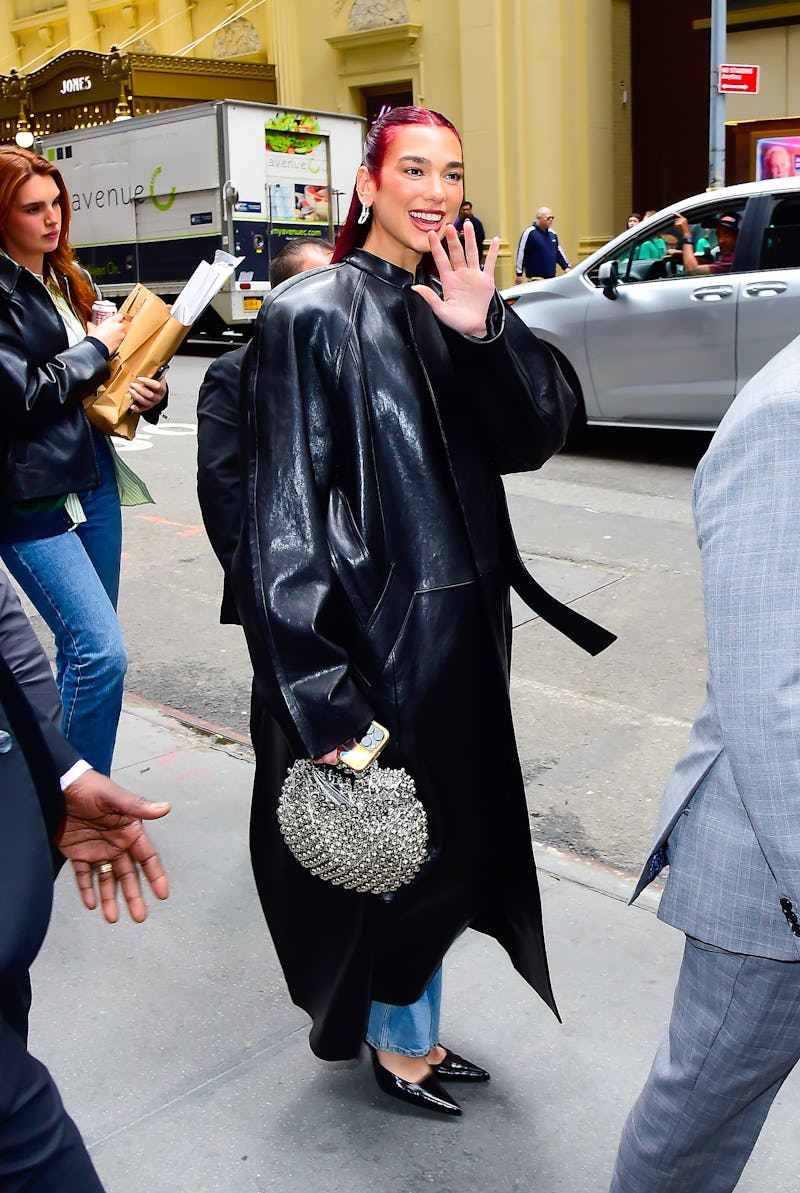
{"type": "Point", "coordinates": [743, 80]}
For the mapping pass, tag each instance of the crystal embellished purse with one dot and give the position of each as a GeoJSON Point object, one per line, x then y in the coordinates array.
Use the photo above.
{"type": "Point", "coordinates": [366, 832]}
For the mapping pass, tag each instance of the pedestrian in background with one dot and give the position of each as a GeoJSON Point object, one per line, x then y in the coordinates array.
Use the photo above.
{"type": "Point", "coordinates": [60, 520]}
{"type": "Point", "coordinates": [729, 825]}
{"type": "Point", "coordinates": [538, 251]}
{"type": "Point", "coordinates": [465, 213]}
{"type": "Point", "coordinates": [219, 488]}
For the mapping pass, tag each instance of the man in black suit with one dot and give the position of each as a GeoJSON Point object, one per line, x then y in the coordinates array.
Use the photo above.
{"type": "Point", "coordinates": [52, 806]}
{"type": "Point", "coordinates": [218, 482]}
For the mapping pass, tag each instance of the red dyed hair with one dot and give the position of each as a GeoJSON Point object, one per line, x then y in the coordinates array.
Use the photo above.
{"type": "Point", "coordinates": [17, 166]}
{"type": "Point", "coordinates": [379, 138]}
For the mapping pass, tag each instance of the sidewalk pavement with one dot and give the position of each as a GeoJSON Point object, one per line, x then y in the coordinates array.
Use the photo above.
{"type": "Point", "coordinates": [187, 1068]}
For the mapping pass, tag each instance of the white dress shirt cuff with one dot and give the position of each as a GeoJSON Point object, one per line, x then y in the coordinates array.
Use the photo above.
{"type": "Point", "coordinates": [75, 771]}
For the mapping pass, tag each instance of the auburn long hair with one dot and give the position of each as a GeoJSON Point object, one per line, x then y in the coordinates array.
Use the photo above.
{"type": "Point", "coordinates": [379, 138]}
{"type": "Point", "coordinates": [17, 166]}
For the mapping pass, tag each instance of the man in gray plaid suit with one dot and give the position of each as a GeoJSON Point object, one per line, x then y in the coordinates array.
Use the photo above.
{"type": "Point", "coordinates": [729, 826]}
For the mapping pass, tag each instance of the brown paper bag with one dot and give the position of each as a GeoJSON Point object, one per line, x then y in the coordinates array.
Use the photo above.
{"type": "Point", "coordinates": [152, 340]}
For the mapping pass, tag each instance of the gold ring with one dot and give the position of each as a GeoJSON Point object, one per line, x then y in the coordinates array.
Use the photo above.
{"type": "Point", "coordinates": [104, 869]}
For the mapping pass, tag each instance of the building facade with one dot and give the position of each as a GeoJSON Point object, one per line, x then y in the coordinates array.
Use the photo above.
{"type": "Point", "coordinates": [670, 56]}
{"type": "Point", "coordinates": [591, 107]}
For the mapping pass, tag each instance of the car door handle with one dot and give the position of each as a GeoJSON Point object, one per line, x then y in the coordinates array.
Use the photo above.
{"type": "Point", "coordinates": [712, 293]}
{"type": "Point", "coordinates": [767, 288]}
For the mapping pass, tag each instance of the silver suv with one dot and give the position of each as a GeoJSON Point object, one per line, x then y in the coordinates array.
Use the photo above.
{"type": "Point", "coordinates": [646, 344]}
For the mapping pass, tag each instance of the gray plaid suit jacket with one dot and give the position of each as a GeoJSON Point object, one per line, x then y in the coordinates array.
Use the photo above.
{"type": "Point", "coordinates": [729, 825]}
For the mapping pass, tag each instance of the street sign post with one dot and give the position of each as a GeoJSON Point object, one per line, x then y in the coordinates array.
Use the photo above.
{"type": "Point", "coordinates": [716, 105]}
{"type": "Point", "coordinates": [738, 80]}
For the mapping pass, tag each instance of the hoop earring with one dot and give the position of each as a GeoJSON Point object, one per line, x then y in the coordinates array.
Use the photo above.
{"type": "Point", "coordinates": [362, 219]}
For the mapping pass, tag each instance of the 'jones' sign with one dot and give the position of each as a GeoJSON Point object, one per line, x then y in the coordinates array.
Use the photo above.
{"type": "Point", "coordinates": [78, 83]}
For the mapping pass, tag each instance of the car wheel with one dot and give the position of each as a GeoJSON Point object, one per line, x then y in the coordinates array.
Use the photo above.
{"type": "Point", "coordinates": [576, 432]}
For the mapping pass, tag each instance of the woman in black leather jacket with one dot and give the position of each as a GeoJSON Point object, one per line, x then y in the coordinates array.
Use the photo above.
{"type": "Point", "coordinates": [60, 523]}
{"type": "Point", "coordinates": [384, 396]}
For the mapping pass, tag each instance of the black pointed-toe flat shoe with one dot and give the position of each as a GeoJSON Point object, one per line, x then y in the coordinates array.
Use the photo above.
{"type": "Point", "coordinates": [456, 1068]}
{"type": "Point", "coordinates": [429, 1094]}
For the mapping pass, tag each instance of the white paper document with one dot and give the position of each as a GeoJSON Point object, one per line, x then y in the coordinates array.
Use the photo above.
{"type": "Point", "coordinates": [206, 281]}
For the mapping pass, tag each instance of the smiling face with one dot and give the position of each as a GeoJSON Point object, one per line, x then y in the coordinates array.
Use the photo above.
{"type": "Point", "coordinates": [419, 190]}
{"type": "Point", "coordinates": [33, 225]}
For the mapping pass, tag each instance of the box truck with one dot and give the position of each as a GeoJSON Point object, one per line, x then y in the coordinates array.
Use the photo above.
{"type": "Point", "coordinates": [153, 195]}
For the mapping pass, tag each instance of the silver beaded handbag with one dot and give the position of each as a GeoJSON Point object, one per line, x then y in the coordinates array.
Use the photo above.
{"type": "Point", "coordinates": [366, 832]}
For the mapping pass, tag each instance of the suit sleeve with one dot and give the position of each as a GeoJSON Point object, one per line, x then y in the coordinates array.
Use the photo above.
{"type": "Point", "coordinates": [746, 512]}
{"type": "Point", "coordinates": [285, 587]}
{"type": "Point", "coordinates": [28, 663]}
{"type": "Point", "coordinates": [22, 651]}
{"type": "Point", "coordinates": [218, 483]}
{"type": "Point", "coordinates": [29, 815]}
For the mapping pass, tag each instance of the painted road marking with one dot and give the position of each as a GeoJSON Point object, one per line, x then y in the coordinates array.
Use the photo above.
{"type": "Point", "coordinates": [187, 529]}
{"type": "Point", "coordinates": [143, 442]}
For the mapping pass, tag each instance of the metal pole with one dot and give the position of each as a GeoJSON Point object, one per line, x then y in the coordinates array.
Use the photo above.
{"type": "Point", "coordinates": [716, 115]}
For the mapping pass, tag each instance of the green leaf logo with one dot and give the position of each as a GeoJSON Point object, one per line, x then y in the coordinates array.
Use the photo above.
{"type": "Point", "coordinates": [161, 204]}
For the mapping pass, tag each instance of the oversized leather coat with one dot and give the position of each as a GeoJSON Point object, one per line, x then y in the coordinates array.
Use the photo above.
{"type": "Point", "coordinates": [372, 578]}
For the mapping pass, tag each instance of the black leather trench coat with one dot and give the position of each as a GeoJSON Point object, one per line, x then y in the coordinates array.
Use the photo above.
{"type": "Point", "coordinates": [372, 579]}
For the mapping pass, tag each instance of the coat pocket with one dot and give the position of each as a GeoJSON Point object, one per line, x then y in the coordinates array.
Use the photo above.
{"type": "Point", "coordinates": [360, 579]}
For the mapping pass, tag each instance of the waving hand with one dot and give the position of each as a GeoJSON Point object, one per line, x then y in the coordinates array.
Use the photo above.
{"type": "Point", "coordinates": [466, 288]}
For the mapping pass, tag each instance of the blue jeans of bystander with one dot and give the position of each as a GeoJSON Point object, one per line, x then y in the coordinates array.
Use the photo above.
{"type": "Point", "coordinates": [73, 580]}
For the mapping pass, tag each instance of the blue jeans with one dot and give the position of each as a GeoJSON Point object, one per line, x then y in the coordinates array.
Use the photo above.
{"type": "Point", "coordinates": [73, 581]}
{"type": "Point", "coordinates": [411, 1030]}
{"type": "Point", "coordinates": [101, 533]}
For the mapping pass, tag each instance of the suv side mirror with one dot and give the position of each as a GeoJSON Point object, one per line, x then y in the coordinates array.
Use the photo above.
{"type": "Point", "coordinates": [608, 276]}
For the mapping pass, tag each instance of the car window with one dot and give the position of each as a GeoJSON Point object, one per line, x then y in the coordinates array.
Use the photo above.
{"type": "Point", "coordinates": [780, 248]}
{"type": "Point", "coordinates": [641, 259]}
{"type": "Point", "coordinates": [654, 255]}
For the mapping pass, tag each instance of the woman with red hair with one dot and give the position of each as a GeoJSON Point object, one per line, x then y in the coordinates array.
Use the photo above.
{"type": "Point", "coordinates": [60, 522]}
{"type": "Point", "coordinates": [384, 396]}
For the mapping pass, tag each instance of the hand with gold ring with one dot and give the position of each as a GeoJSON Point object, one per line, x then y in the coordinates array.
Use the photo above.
{"type": "Point", "coordinates": [103, 835]}
{"type": "Point", "coordinates": [103, 871]}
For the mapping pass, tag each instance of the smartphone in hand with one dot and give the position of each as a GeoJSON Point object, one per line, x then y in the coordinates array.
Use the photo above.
{"type": "Point", "coordinates": [359, 753]}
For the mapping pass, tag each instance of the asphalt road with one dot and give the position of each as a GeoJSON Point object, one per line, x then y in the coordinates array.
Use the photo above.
{"type": "Point", "coordinates": [608, 527]}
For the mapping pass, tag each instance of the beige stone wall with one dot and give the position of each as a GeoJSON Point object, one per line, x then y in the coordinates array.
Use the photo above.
{"type": "Point", "coordinates": [533, 86]}
{"type": "Point", "coordinates": [622, 113]}
{"type": "Point", "coordinates": [38, 32]}
{"type": "Point", "coordinates": [777, 52]}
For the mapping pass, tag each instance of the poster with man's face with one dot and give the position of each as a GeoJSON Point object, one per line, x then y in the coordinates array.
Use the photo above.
{"type": "Point", "coordinates": [777, 157]}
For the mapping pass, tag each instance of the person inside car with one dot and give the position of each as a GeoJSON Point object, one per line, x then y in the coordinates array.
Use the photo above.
{"type": "Point", "coordinates": [727, 227]}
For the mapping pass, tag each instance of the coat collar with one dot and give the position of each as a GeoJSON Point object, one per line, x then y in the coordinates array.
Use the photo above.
{"type": "Point", "coordinates": [9, 273]}
{"type": "Point", "coordinates": [379, 268]}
